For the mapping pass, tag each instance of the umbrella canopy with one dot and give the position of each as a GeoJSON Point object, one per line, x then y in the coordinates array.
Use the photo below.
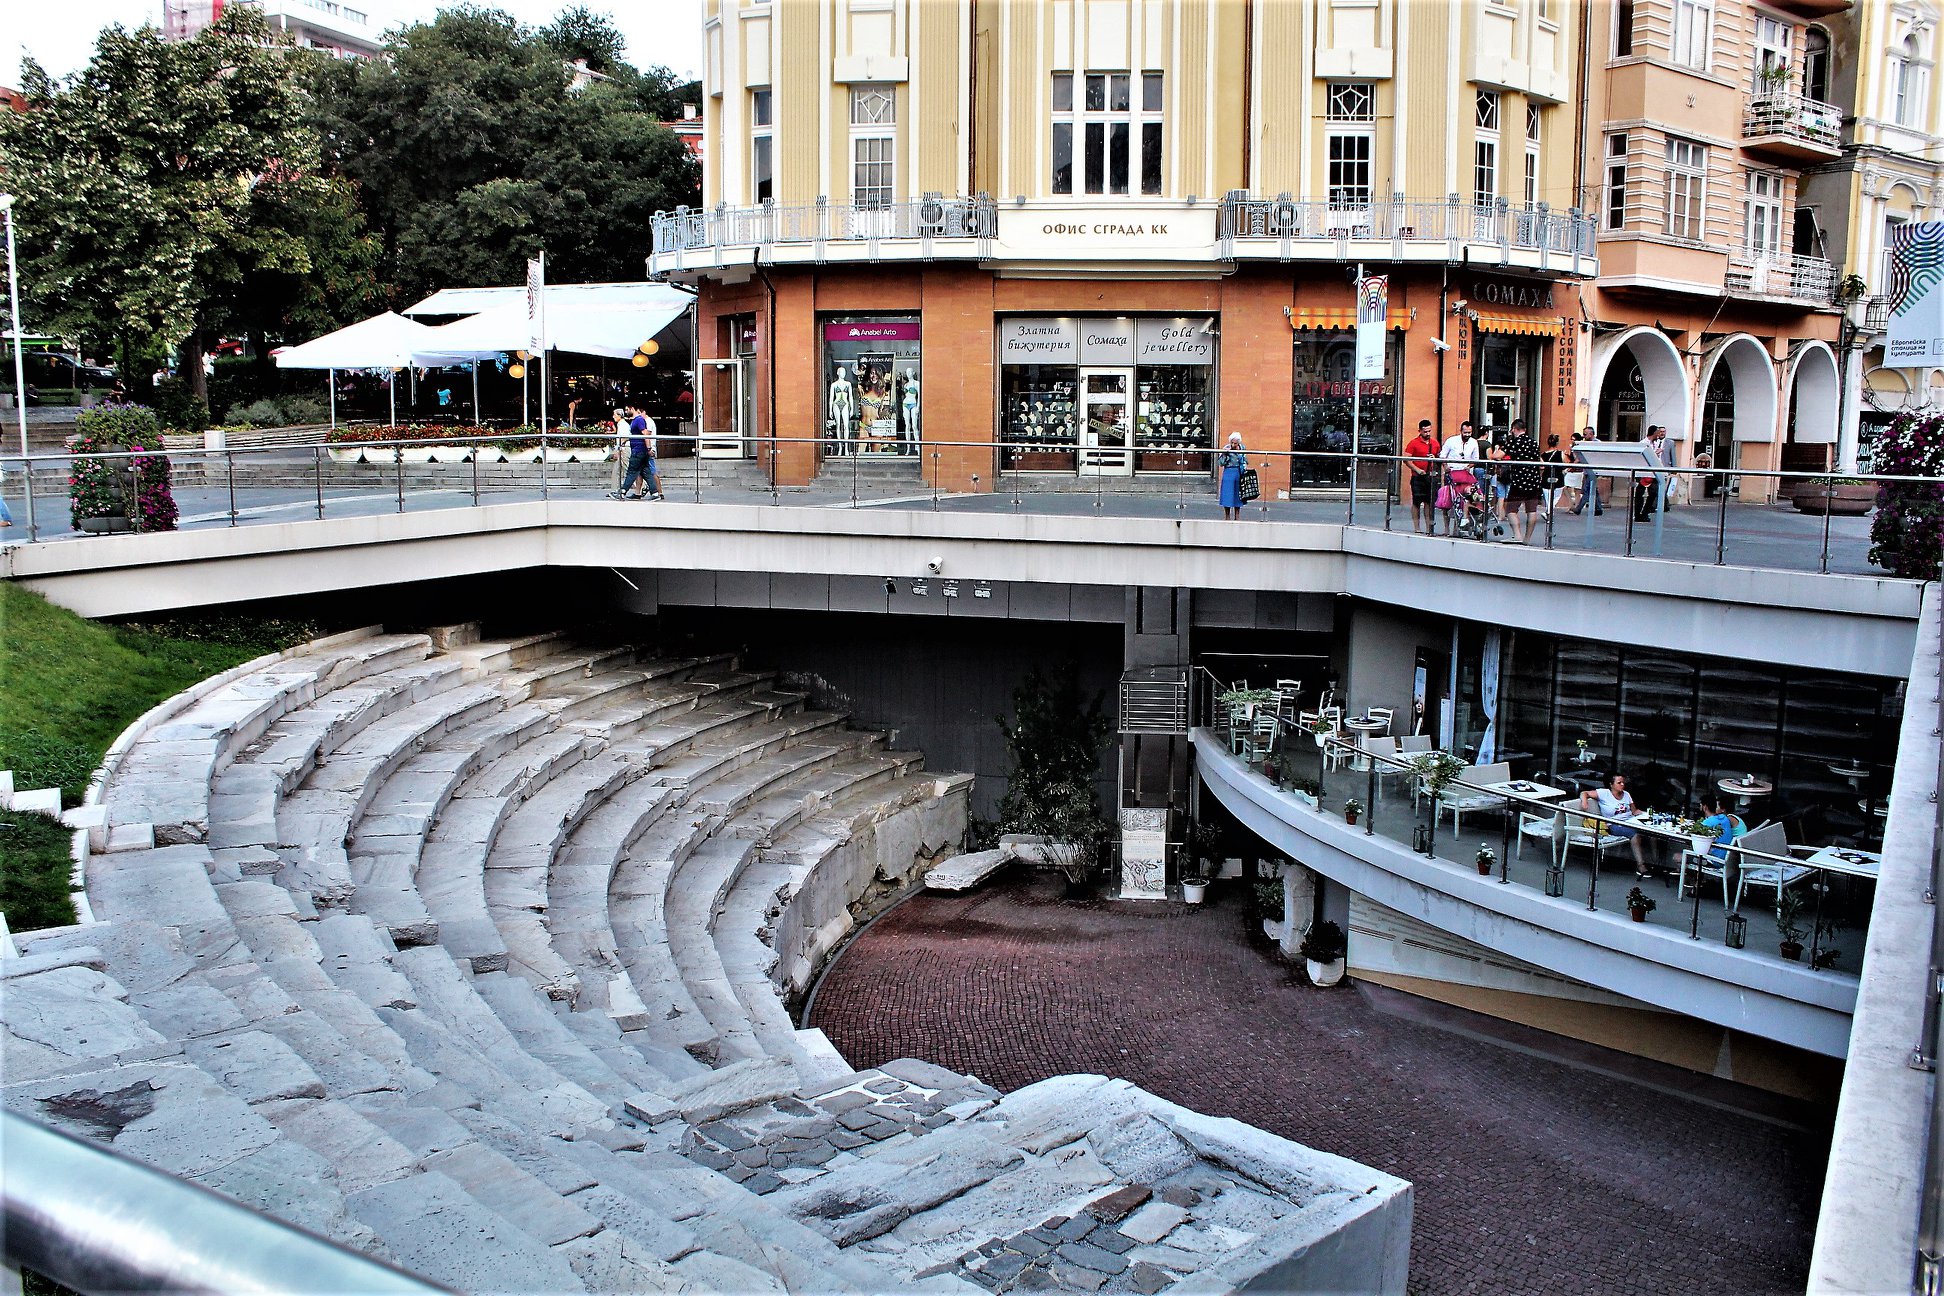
{"type": "Point", "coordinates": [388, 341]}
{"type": "Point", "coordinates": [559, 297]}
{"type": "Point", "coordinates": [614, 331]}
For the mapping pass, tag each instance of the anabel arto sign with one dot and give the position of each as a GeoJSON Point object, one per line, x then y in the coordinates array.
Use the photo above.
{"type": "Point", "coordinates": [1916, 334]}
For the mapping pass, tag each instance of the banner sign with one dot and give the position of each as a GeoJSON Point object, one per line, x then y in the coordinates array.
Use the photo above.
{"type": "Point", "coordinates": [1039, 341]}
{"type": "Point", "coordinates": [872, 331]}
{"type": "Point", "coordinates": [536, 282]}
{"type": "Point", "coordinates": [1916, 333]}
{"type": "Point", "coordinates": [1175, 341]}
{"type": "Point", "coordinates": [1373, 304]}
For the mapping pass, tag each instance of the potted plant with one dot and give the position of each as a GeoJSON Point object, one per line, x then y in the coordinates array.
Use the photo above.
{"type": "Point", "coordinates": [1194, 886]}
{"type": "Point", "coordinates": [1639, 904]}
{"type": "Point", "coordinates": [1485, 860]}
{"type": "Point", "coordinates": [1775, 75]}
{"type": "Point", "coordinates": [1351, 809]}
{"type": "Point", "coordinates": [1836, 496]}
{"type": "Point", "coordinates": [1323, 949]}
{"type": "Point", "coordinates": [1308, 791]}
{"type": "Point", "coordinates": [1788, 925]}
{"type": "Point", "coordinates": [1700, 837]}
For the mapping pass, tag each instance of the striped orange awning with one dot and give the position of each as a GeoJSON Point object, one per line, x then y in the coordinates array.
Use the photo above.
{"type": "Point", "coordinates": [1529, 325]}
{"type": "Point", "coordinates": [1342, 317]}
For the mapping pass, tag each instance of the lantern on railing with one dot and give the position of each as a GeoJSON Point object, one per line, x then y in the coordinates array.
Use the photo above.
{"type": "Point", "coordinates": [1421, 840]}
{"type": "Point", "coordinates": [1737, 937]}
{"type": "Point", "coordinates": [1555, 879]}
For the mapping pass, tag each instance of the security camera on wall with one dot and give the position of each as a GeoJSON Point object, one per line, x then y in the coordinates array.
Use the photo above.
{"type": "Point", "coordinates": [1439, 344]}
{"type": "Point", "coordinates": [935, 566]}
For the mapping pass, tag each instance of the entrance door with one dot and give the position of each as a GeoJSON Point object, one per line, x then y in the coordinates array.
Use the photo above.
{"type": "Point", "coordinates": [1105, 448]}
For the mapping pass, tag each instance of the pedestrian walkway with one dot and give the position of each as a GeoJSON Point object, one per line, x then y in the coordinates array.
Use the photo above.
{"type": "Point", "coordinates": [1532, 1173]}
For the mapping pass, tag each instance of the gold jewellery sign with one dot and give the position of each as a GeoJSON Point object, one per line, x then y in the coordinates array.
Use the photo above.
{"type": "Point", "coordinates": [1094, 231]}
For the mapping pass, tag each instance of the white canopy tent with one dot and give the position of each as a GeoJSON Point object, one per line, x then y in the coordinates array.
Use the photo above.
{"type": "Point", "coordinates": [388, 341]}
{"type": "Point", "coordinates": [613, 331]}
{"type": "Point", "coordinates": [558, 298]}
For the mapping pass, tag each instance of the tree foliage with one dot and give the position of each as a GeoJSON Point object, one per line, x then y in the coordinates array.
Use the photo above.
{"type": "Point", "coordinates": [1054, 739]}
{"type": "Point", "coordinates": [470, 151]}
{"type": "Point", "coordinates": [168, 191]}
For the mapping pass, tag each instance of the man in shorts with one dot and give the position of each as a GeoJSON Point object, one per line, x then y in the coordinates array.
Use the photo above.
{"type": "Point", "coordinates": [1423, 451]}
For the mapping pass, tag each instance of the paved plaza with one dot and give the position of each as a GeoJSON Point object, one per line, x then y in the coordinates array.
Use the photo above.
{"type": "Point", "coordinates": [1532, 1174]}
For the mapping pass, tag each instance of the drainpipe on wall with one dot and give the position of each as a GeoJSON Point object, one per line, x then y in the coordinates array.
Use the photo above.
{"type": "Point", "coordinates": [1444, 321]}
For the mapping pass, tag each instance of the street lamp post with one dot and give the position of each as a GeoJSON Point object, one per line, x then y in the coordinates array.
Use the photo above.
{"type": "Point", "coordinates": [20, 362]}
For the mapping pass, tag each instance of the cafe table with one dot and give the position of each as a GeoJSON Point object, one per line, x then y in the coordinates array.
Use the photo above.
{"type": "Point", "coordinates": [1526, 788]}
{"type": "Point", "coordinates": [1745, 790]}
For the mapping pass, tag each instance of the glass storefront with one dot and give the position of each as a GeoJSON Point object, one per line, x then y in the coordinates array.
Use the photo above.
{"type": "Point", "coordinates": [871, 384]}
{"type": "Point", "coordinates": [1505, 380]}
{"type": "Point", "coordinates": [1322, 412]}
{"type": "Point", "coordinates": [1108, 396]}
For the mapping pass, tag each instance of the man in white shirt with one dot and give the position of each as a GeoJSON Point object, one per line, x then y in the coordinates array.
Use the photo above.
{"type": "Point", "coordinates": [1615, 802]}
{"type": "Point", "coordinates": [1460, 456]}
{"type": "Point", "coordinates": [1647, 488]}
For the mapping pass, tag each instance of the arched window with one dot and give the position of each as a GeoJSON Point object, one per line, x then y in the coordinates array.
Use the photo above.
{"type": "Point", "coordinates": [1907, 82]}
{"type": "Point", "coordinates": [1815, 64]}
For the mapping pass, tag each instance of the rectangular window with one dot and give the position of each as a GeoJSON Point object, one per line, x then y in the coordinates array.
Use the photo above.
{"type": "Point", "coordinates": [1623, 25]}
{"type": "Point", "coordinates": [1762, 215]}
{"type": "Point", "coordinates": [1773, 39]}
{"type": "Point", "coordinates": [1487, 111]}
{"type": "Point", "coordinates": [874, 146]}
{"type": "Point", "coordinates": [1891, 224]}
{"type": "Point", "coordinates": [1351, 101]}
{"type": "Point", "coordinates": [1615, 204]}
{"type": "Point", "coordinates": [1693, 32]}
{"type": "Point", "coordinates": [761, 166]}
{"type": "Point", "coordinates": [1349, 166]}
{"type": "Point", "coordinates": [1687, 180]}
{"type": "Point", "coordinates": [1119, 144]}
{"type": "Point", "coordinates": [1485, 173]}
{"type": "Point", "coordinates": [1532, 175]}
{"type": "Point", "coordinates": [1533, 122]}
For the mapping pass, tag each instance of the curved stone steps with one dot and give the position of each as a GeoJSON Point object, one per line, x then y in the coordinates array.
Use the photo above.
{"type": "Point", "coordinates": [165, 776]}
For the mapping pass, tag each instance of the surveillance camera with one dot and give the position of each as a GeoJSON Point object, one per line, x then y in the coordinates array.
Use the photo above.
{"type": "Point", "coordinates": [1459, 304]}
{"type": "Point", "coordinates": [890, 586]}
{"type": "Point", "coordinates": [935, 566]}
{"type": "Point", "coordinates": [1439, 344]}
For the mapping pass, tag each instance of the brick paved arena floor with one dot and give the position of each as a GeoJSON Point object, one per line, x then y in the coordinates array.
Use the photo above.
{"type": "Point", "coordinates": [1531, 1174]}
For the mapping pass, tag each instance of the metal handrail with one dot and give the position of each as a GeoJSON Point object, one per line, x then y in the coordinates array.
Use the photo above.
{"type": "Point", "coordinates": [1928, 1270]}
{"type": "Point", "coordinates": [97, 1221]}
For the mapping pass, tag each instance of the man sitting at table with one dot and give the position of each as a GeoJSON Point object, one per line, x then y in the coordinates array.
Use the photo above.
{"type": "Point", "coordinates": [1726, 826]}
{"type": "Point", "coordinates": [1615, 802]}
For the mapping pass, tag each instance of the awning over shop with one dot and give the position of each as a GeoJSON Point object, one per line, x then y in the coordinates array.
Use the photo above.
{"type": "Point", "coordinates": [1343, 317]}
{"type": "Point", "coordinates": [387, 341]}
{"type": "Point", "coordinates": [1527, 325]}
{"type": "Point", "coordinates": [616, 331]}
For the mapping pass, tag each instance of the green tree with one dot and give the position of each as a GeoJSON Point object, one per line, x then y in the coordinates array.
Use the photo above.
{"type": "Point", "coordinates": [169, 190]}
{"type": "Point", "coordinates": [470, 151]}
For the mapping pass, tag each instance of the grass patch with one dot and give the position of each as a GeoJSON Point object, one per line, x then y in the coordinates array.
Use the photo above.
{"type": "Point", "coordinates": [69, 686]}
{"type": "Point", "coordinates": [34, 871]}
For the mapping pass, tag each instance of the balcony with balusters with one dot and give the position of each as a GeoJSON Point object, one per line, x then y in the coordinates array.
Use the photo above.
{"type": "Point", "coordinates": [1807, 280]}
{"type": "Point", "coordinates": [1792, 128]}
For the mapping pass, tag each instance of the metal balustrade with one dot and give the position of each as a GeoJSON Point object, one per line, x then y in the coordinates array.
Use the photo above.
{"type": "Point", "coordinates": [1793, 278]}
{"type": "Point", "coordinates": [1794, 117]}
{"type": "Point", "coordinates": [1246, 226]}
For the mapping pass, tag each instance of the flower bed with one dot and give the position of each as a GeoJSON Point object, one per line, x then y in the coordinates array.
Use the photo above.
{"type": "Point", "coordinates": [1907, 534]}
{"type": "Point", "coordinates": [132, 493]}
{"type": "Point", "coordinates": [493, 445]}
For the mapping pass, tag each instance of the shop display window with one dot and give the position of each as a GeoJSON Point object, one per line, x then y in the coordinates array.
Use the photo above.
{"type": "Point", "coordinates": [1322, 407]}
{"type": "Point", "coordinates": [1038, 423]}
{"type": "Point", "coordinates": [872, 385]}
{"type": "Point", "coordinates": [1176, 415]}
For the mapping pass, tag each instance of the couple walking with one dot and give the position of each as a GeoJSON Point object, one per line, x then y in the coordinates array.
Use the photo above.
{"type": "Point", "coordinates": [631, 421]}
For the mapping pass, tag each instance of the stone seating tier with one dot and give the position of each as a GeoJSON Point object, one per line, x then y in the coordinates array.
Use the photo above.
{"type": "Point", "coordinates": [476, 954]}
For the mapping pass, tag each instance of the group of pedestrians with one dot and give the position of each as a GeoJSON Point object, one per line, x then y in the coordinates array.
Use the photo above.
{"type": "Point", "coordinates": [631, 423]}
{"type": "Point", "coordinates": [1503, 486]}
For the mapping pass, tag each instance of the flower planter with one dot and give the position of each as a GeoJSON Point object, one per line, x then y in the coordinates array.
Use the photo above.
{"type": "Point", "coordinates": [1639, 915]}
{"type": "Point", "coordinates": [416, 454]}
{"type": "Point", "coordinates": [1845, 499]}
{"type": "Point", "coordinates": [1324, 974]}
{"type": "Point", "coordinates": [346, 454]}
{"type": "Point", "coordinates": [555, 455]}
{"type": "Point", "coordinates": [111, 525]}
{"type": "Point", "coordinates": [1484, 868]}
{"type": "Point", "coordinates": [524, 456]}
{"type": "Point", "coordinates": [1351, 816]}
{"type": "Point", "coordinates": [1307, 798]}
{"type": "Point", "coordinates": [1792, 951]}
{"type": "Point", "coordinates": [1193, 892]}
{"type": "Point", "coordinates": [1701, 845]}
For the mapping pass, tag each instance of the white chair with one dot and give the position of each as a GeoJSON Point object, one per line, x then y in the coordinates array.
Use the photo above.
{"type": "Point", "coordinates": [1702, 867]}
{"type": "Point", "coordinates": [1411, 744]}
{"type": "Point", "coordinates": [1540, 826]}
{"type": "Point", "coordinates": [1262, 735]}
{"type": "Point", "coordinates": [1337, 753]}
{"type": "Point", "coordinates": [1576, 833]}
{"type": "Point", "coordinates": [1771, 839]}
{"type": "Point", "coordinates": [1291, 692]}
{"type": "Point", "coordinates": [1459, 799]}
{"type": "Point", "coordinates": [1387, 714]}
{"type": "Point", "coordinates": [1373, 748]}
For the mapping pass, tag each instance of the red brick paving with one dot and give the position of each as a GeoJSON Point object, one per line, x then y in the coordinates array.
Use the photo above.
{"type": "Point", "coordinates": [1531, 1176]}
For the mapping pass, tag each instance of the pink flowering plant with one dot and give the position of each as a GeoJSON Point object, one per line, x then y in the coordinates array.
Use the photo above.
{"type": "Point", "coordinates": [1907, 533]}
{"type": "Point", "coordinates": [138, 486]}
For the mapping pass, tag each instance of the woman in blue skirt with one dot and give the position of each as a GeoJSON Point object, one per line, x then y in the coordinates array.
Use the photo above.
{"type": "Point", "coordinates": [1232, 461]}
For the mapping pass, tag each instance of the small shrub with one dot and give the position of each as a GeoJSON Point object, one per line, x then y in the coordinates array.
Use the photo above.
{"type": "Point", "coordinates": [179, 407]}
{"type": "Point", "coordinates": [1324, 943]}
{"type": "Point", "coordinates": [261, 413]}
{"type": "Point", "coordinates": [119, 424]}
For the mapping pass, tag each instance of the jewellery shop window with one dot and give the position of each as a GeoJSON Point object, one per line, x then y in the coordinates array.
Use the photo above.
{"type": "Point", "coordinates": [1037, 409]}
{"type": "Point", "coordinates": [1322, 407]}
{"type": "Point", "coordinates": [1176, 418]}
{"type": "Point", "coordinates": [872, 401]}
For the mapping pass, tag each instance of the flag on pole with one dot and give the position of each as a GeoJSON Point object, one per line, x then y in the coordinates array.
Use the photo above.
{"type": "Point", "coordinates": [536, 320]}
{"type": "Point", "coordinates": [1373, 305]}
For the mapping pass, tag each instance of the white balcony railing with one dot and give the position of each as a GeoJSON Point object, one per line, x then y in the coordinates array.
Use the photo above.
{"type": "Point", "coordinates": [1793, 117]}
{"type": "Point", "coordinates": [1245, 226]}
{"type": "Point", "coordinates": [1787, 278]}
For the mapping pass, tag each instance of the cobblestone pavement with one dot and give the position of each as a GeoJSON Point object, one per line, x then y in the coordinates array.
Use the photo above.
{"type": "Point", "coordinates": [1531, 1175]}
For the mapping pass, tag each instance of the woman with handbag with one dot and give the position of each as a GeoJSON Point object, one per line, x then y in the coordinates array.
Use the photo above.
{"type": "Point", "coordinates": [1233, 462]}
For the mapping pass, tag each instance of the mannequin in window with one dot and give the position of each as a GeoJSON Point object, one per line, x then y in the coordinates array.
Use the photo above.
{"type": "Point", "coordinates": [841, 407]}
{"type": "Point", "coordinates": [910, 405]}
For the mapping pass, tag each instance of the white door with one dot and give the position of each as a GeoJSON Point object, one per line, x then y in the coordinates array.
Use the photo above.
{"type": "Point", "coordinates": [1106, 422]}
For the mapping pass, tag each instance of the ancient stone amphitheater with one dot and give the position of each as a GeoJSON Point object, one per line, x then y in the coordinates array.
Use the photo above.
{"type": "Point", "coordinates": [476, 956]}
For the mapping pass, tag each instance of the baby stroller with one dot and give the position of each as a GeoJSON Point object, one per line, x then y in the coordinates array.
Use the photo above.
{"type": "Point", "coordinates": [1470, 505]}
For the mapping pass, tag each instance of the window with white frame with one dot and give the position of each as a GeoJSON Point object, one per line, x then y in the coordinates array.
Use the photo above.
{"type": "Point", "coordinates": [1350, 111]}
{"type": "Point", "coordinates": [1485, 116]}
{"type": "Point", "coordinates": [761, 158]}
{"type": "Point", "coordinates": [1693, 33]}
{"type": "Point", "coordinates": [874, 146]}
{"type": "Point", "coordinates": [1774, 48]}
{"type": "Point", "coordinates": [1908, 71]}
{"type": "Point", "coordinates": [1687, 182]}
{"type": "Point", "coordinates": [1762, 215]}
{"type": "Point", "coordinates": [1614, 202]}
{"type": "Point", "coordinates": [1107, 132]}
{"type": "Point", "coordinates": [1534, 122]}
{"type": "Point", "coordinates": [1891, 224]}
{"type": "Point", "coordinates": [1623, 28]}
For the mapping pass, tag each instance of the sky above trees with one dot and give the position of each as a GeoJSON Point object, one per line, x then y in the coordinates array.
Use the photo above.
{"type": "Point", "coordinates": [62, 37]}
